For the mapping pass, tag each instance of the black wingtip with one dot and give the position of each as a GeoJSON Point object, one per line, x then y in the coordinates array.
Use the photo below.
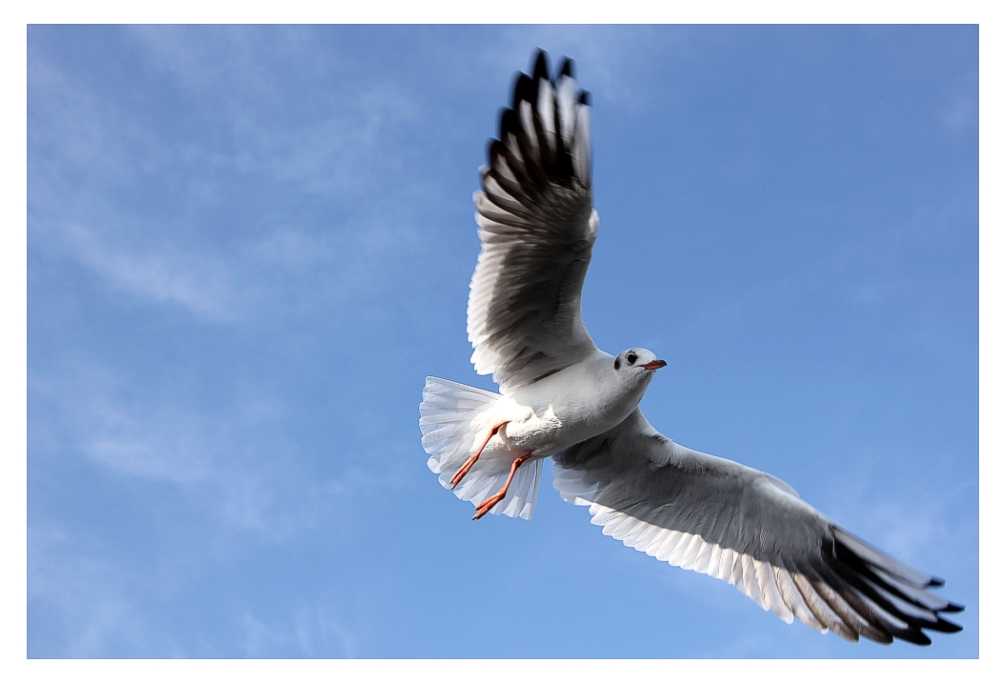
{"type": "Point", "coordinates": [509, 123]}
{"type": "Point", "coordinates": [922, 640]}
{"type": "Point", "coordinates": [945, 626]}
{"type": "Point", "coordinates": [952, 607]}
{"type": "Point", "coordinates": [492, 145]}
{"type": "Point", "coordinates": [912, 635]}
{"type": "Point", "coordinates": [935, 582]}
{"type": "Point", "coordinates": [584, 98]}
{"type": "Point", "coordinates": [541, 65]}
{"type": "Point", "coordinates": [566, 68]}
{"type": "Point", "coordinates": [524, 89]}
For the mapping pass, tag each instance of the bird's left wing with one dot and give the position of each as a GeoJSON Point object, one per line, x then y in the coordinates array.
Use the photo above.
{"type": "Point", "coordinates": [537, 226]}
{"type": "Point", "coordinates": [748, 528]}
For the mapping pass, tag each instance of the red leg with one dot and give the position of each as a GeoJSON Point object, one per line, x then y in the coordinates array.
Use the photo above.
{"type": "Point", "coordinates": [490, 502]}
{"type": "Point", "coordinates": [460, 475]}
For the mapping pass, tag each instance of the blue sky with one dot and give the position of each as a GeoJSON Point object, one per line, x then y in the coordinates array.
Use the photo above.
{"type": "Point", "coordinates": [247, 246]}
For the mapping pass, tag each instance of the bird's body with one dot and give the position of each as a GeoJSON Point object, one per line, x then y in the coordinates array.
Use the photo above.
{"type": "Point", "coordinates": [574, 404]}
{"type": "Point", "coordinates": [562, 397]}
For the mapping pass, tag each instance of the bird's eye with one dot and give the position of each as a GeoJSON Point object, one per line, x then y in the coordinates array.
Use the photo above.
{"type": "Point", "coordinates": [631, 358]}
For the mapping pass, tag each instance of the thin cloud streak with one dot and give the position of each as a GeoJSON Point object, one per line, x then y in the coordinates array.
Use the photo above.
{"type": "Point", "coordinates": [243, 452]}
{"type": "Point", "coordinates": [337, 160]}
{"type": "Point", "coordinates": [193, 280]}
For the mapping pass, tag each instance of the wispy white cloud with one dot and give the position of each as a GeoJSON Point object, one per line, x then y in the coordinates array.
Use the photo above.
{"type": "Point", "coordinates": [88, 153]}
{"type": "Point", "coordinates": [237, 457]}
{"type": "Point", "coordinates": [199, 58]}
{"type": "Point", "coordinates": [287, 271]}
{"type": "Point", "coordinates": [85, 595]}
{"type": "Point", "coordinates": [234, 469]}
{"type": "Point", "coordinates": [320, 635]}
{"type": "Point", "coordinates": [310, 632]}
{"type": "Point", "coordinates": [196, 280]}
{"type": "Point", "coordinates": [876, 495]}
{"type": "Point", "coordinates": [233, 472]}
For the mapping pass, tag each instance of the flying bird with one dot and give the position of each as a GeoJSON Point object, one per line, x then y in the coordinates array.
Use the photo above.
{"type": "Point", "coordinates": [564, 398]}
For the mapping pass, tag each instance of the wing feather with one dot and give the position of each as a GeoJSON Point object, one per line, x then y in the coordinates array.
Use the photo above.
{"type": "Point", "coordinates": [747, 528]}
{"type": "Point", "coordinates": [537, 227]}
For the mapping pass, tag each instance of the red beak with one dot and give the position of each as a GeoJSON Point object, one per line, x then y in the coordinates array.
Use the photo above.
{"type": "Point", "coordinates": [654, 365]}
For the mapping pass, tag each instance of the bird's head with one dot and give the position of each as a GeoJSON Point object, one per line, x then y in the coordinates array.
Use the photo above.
{"type": "Point", "coordinates": [637, 364]}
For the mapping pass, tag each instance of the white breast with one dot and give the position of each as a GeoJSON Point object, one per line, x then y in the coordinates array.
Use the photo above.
{"type": "Point", "coordinates": [565, 408]}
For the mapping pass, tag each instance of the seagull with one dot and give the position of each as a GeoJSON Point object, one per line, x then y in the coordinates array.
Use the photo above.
{"type": "Point", "coordinates": [563, 398]}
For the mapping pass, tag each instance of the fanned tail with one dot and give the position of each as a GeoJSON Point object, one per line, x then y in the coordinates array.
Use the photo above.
{"type": "Point", "coordinates": [451, 435]}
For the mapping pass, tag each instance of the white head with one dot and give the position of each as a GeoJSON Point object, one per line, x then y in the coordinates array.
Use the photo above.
{"type": "Point", "coordinates": [637, 365]}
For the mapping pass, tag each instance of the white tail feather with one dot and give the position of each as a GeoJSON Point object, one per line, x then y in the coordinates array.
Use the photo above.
{"type": "Point", "coordinates": [451, 436]}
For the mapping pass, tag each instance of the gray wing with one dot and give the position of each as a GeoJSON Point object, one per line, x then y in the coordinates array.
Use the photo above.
{"type": "Point", "coordinates": [537, 227]}
{"type": "Point", "coordinates": [750, 529]}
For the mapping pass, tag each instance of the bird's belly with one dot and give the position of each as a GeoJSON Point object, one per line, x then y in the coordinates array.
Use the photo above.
{"type": "Point", "coordinates": [547, 430]}
{"type": "Point", "coordinates": [539, 436]}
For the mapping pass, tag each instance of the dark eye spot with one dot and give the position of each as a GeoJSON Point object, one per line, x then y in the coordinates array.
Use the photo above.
{"type": "Point", "coordinates": [618, 363]}
{"type": "Point", "coordinates": [631, 358]}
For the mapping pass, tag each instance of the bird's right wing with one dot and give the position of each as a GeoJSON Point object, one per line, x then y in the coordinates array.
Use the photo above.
{"type": "Point", "coordinates": [748, 528]}
{"type": "Point", "coordinates": [537, 227]}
